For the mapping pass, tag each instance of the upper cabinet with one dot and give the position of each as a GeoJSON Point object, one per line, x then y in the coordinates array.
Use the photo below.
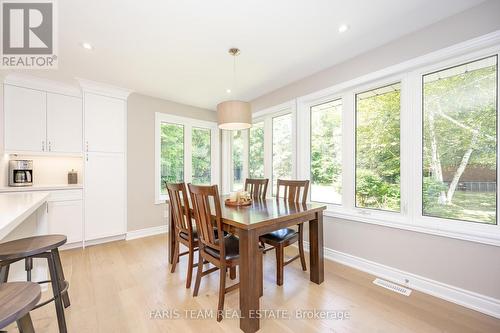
{"type": "Point", "coordinates": [25, 119]}
{"type": "Point", "coordinates": [104, 123]}
{"type": "Point", "coordinates": [37, 121]}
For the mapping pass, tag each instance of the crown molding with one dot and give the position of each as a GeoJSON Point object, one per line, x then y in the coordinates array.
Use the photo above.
{"type": "Point", "coordinates": [37, 83]}
{"type": "Point", "coordinates": [89, 86]}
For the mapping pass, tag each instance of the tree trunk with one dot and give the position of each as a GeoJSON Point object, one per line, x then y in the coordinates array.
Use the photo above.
{"type": "Point", "coordinates": [437, 172]}
{"type": "Point", "coordinates": [461, 168]}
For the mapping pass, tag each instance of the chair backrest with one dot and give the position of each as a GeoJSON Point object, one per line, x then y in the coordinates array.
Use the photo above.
{"type": "Point", "coordinates": [203, 215]}
{"type": "Point", "coordinates": [256, 187]}
{"type": "Point", "coordinates": [179, 204]}
{"type": "Point", "coordinates": [293, 190]}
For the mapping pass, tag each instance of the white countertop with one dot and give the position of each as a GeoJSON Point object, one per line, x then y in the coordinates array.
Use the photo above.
{"type": "Point", "coordinates": [16, 207]}
{"type": "Point", "coordinates": [55, 187]}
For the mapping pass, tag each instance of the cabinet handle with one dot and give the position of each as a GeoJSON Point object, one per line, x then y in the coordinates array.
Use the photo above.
{"type": "Point", "coordinates": [87, 158]}
{"type": "Point", "coordinates": [87, 146]}
{"type": "Point", "coordinates": [43, 145]}
{"type": "Point", "coordinates": [50, 148]}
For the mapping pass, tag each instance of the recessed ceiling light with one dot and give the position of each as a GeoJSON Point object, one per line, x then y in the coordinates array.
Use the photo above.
{"type": "Point", "coordinates": [343, 28]}
{"type": "Point", "coordinates": [87, 46]}
{"type": "Point", "coordinates": [228, 91]}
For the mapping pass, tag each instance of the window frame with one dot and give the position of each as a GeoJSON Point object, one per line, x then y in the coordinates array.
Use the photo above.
{"type": "Point", "coordinates": [188, 124]}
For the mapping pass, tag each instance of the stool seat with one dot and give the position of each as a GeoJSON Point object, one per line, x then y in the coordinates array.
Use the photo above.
{"type": "Point", "coordinates": [25, 247]}
{"type": "Point", "coordinates": [18, 299]}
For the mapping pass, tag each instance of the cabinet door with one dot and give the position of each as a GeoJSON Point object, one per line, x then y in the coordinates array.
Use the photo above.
{"type": "Point", "coordinates": [66, 217]}
{"type": "Point", "coordinates": [64, 124]}
{"type": "Point", "coordinates": [24, 119]}
{"type": "Point", "coordinates": [104, 123]}
{"type": "Point", "coordinates": [104, 195]}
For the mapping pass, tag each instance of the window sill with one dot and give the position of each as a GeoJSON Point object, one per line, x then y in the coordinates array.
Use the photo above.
{"type": "Point", "coordinates": [468, 231]}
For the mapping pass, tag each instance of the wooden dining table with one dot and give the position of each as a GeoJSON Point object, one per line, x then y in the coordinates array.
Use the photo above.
{"type": "Point", "coordinates": [250, 222]}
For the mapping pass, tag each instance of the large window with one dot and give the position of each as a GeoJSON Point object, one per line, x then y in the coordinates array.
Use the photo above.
{"type": "Point", "coordinates": [256, 151]}
{"type": "Point", "coordinates": [237, 157]}
{"type": "Point", "coordinates": [201, 156]}
{"type": "Point", "coordinates": [378, 148]}
{"type": "Point", "coordinates": [283, 146]}
{"type": "Point", "coordinates": [186, 151]}
{"type": "Point", "coordinates": [172, 154]}
{"type": "Point", "coordinates": [460, 142]}
{"type": "Point", "coordinates": [326, 152]}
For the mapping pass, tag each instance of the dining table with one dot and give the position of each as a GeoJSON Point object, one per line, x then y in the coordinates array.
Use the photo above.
{"type": "Point", "coordinates": [249, 223]}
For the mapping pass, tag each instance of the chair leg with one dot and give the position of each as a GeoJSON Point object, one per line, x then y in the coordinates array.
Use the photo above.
{"type": "Point", "coordinates": [232, 273]}
{"type": "Point", "coordinates": [28, 267]}
{"type": "Point", "coordinates": [222, 292]}
{"type": "Point", "coordinates": [301, 247]}
{"type": "Point", "coordinates": [260, 268]}
{"type": "Point", "coordinates": [25, 325]}
{"type": "Point", "coordinates": [190, 268]}
{"type": "Point", "coordinates": [176, 257]}
{"type": "Point", "coordinates": [280, 258]}
{"type": "Point", "coordinates": [4, 273]}
{"type": "Point", "coordinates": [60, 273]}
{"type": "Point", "coordinates": [56, 289]}
{"type": "Point", "coordinates": [198, 274]}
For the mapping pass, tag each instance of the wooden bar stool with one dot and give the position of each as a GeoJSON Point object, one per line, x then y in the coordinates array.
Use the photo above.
{"type": "Point", "coordinates": [45, 247]}
{"type": "Point", "coordinates": [17, 299]}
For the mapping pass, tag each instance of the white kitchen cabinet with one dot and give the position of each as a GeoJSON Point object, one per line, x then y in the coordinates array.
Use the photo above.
{"type": "Point", "coordinates": [66, 217]}
{"type": "Point", "coordinates": [104, 123]}
{"type": "Point", "coordinates": [25, 126]}
{"type": "Point", "coordinates": [105, 195]}
{"type": "Point", "coordinates": [64, 124]}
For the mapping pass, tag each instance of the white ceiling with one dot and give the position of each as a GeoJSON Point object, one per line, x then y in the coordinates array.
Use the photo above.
{"type": "Point", "coordinates": [177, 50]}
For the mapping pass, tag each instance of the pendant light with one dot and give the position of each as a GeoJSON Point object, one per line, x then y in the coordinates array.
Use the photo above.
{"type": "Point", "coordinates": [234, 115]}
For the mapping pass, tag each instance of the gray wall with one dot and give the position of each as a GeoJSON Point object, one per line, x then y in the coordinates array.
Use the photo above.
{"type": "Point", "coordinates": [464, 264]}
{"type": "Point", "coordinates": [142, 211]}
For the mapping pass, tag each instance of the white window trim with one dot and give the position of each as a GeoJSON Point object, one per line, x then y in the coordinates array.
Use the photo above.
{"type": "Point", "coordinates": [189, 124]}
{"type": "Point", "coordinates": [410, 217]}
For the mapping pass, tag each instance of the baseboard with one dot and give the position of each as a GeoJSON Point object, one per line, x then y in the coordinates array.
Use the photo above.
{"type": "Point", "coordinates": [146, 232]}
{"type": "Point", "coordinates": [469, 299]}
{"type": "Point", "coordinates": [104, 240]}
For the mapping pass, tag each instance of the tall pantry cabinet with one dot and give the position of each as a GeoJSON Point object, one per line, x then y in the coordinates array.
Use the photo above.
{"type": "Point", "coordinates": [105, 169]}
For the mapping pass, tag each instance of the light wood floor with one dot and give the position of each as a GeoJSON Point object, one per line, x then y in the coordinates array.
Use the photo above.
{"type": "Point", "coordinates": [114, 288]}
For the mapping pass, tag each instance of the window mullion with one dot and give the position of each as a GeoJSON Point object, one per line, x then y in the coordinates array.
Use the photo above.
{"type": "Point", "coordinates": [348, 150]}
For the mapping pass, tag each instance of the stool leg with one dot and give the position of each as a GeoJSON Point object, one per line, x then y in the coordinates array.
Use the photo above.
{"type": "Point", "coordinates": [28, 266]}
{"type": "Point", "coordinates": [4, 273]}
{"type": "Point", "coordinates": [56, 289]}
{"type": "Point", "coordinates": [60, 274]}
{"type": "Point", "coordinates": [25, 325]}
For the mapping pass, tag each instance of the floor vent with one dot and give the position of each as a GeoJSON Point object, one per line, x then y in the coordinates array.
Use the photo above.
{"type": "Point", "coordinates": [392, 286]}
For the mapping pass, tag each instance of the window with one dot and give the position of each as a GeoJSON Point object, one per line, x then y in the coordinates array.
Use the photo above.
{"type": "Point", "coordinates": [282, 148]}
{"type": "Point", "coordinates": [172, 154]}
{"type": "Point", "coordinates": [326, 152]}
{"type": "Point", "coordinates": [256, 151]}
{"type": "Point", "coordinates": [378, 148]}
{"type": "Point", "coordinates": [237, 148]}
{"type": "Point", "coordinates": [460, 142]}
{"type": "Point", "coordinates": [201, 156]}
{"type": "Point", "coordinates": [186, 150]}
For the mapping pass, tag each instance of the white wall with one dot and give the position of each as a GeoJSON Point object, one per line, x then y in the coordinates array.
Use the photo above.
{"type": "Point", "coordinates": [467, 265]}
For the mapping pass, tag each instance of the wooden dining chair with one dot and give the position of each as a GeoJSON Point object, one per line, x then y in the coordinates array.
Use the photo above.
{"type": "Point", "coordinates": [257, 187]}
{"type": "Point", "coordinates": [219, 249]}
{"type": "Point", "coordinates": [183, 227]}
{"type": "Point", "coordinates": [295, 191]}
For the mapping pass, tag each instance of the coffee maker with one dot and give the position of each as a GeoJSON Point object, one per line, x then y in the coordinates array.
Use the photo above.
{"type": "Point", "coordinates": [20, 173]}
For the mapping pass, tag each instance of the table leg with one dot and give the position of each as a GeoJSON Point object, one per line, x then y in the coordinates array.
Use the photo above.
{"type": "Point", "coordinates": [316, 249]}
{"type": "Point", "coordinates": [249, 284]}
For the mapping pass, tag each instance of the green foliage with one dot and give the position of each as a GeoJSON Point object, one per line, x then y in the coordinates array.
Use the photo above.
{"type": "Point", "coordinates": [256, 151]}
{"type": "Point", "coordinates": [432, 190]}
{"type": "Point", "coordinates": [378, 151]}
{"type": "Point", "coordinates": [201, 158]}
{"type": "Point", "coordinates": [282, 147]}
{"type": "Point", "coordinates": [172, 154]}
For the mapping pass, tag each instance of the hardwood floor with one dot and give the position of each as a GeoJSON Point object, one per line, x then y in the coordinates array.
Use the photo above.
{"type": "Point", "coordinates": [116, 287]}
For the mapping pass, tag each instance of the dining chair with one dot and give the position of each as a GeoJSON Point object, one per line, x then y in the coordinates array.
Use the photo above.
{"type": "Point", "coordinates": [295, 191]}
{"type": "Point", "coordinates": [257, 187]}
{"type": "Point", "coordinates": [219, 249]}
{"type": "Point", "coordinates": [183, 227]}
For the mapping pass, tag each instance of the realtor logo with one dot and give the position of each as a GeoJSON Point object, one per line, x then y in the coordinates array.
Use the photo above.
{"type": "Point", "coordinates": [28, 34]}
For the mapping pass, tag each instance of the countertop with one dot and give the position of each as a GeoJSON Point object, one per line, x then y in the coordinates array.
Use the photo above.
{"type": "Point", "coordinates": [16, 207]}
{"type": "Point", "coordinates": [55, 187]}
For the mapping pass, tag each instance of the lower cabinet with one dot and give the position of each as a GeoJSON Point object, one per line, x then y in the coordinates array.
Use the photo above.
{"type": "Point", "coordinates": [105, 195]}
{"type": "Point", "coordinates": [65, 214]}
